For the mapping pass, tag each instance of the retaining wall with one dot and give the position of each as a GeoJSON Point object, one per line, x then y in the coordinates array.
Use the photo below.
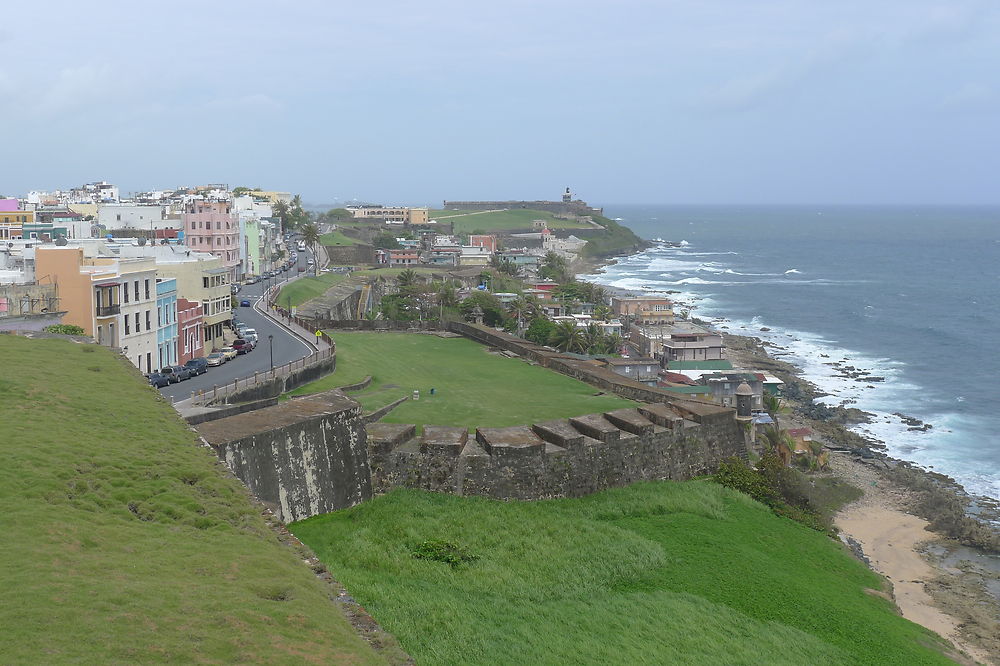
{"type": "Point", "coordinates": [301, 458]}
{"type": "Point", "coordinates": [561, 458]}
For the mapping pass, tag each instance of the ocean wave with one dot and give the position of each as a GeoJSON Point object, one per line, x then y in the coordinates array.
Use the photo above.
{"type": "Point", "coordinates": [790, 271]}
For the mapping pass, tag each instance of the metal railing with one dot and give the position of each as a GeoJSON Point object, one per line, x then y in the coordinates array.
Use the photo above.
{"type": "Point", "coordinates": [108, 310]}
{"type": "Point", "coordinates": [201, 398]}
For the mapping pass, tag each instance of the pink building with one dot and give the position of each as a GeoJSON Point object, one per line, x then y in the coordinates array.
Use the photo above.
{"type": "Point", "coordinates": [8, 205]}
{"type": "Point", "coordinates": [189, 320]}
{"type": "Point", "coordinates": [213, 226]}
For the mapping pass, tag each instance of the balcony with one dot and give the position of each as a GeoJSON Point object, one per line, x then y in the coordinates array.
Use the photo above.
{"type": "Point", "coordinates": [108, 310]}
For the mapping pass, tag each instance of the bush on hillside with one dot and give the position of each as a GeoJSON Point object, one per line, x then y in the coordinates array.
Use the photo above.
{"type": "Point", "coordinates": [785, 490]}
{"type": "Point", "coordinates": [64, 329]}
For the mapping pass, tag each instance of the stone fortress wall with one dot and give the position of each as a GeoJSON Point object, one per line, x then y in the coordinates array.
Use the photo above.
{"type": "Point", "coordinates": [315, 454]}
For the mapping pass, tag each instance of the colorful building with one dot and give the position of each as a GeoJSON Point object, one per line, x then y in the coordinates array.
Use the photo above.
{"type": "Point", "coordinates": [166, 321]}
{"type": "Point", "coordinates": [189, 326]}
{"type": "Point", "coordinates": [213, 226]}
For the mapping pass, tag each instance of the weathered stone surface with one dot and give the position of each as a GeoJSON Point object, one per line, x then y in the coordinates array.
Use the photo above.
{"type": "Point", "coordinates": [301, 458]}
{"type": "Point", "coordinates": [596, 426]}
{"type": "Point", "coordinates": [630, 420]}
{"type": "Point", "coordinates": [560, 433]}
{"type": "Point", "coordinates": [384, 437]}
{"type": "Point", "coordinates": [516, 441]}
{"type": "Point", "coordinates": [444, 440]}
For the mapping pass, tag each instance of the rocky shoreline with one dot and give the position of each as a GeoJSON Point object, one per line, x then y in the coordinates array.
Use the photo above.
{"type": "Point", "coordinates": [960, 596]}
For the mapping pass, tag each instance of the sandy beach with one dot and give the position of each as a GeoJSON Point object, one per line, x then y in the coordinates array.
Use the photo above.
{"type": "Point", "coordinates": [893, 540]}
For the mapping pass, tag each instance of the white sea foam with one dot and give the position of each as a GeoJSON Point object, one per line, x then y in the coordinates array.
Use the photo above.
{"type": "Point", "coordinates": [939, 448]}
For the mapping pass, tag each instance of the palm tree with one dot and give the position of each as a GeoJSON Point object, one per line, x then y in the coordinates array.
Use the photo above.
{"type": "Point", "coordinates": [614, 343]}
{"type": "Point", "coordinates": [773, 406]}
{"type": "Point", "coordinates": [520, 310]}
{"type": "Point", "coordinates": [311, 237]}
{"type": "Point", "coordinates": [566, 337]}
{"type": "Point", "coordinates": [406, 278]}
{"type": "Point", "coordinates": [602, 312]}
{"type": "Point", "coordinates": [593, 339]}
{"type": "Point", "coordinates": [779, 442]}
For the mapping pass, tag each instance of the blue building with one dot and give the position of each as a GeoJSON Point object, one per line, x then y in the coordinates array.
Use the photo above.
{"type": "Point", "coordinates": [166, 321]}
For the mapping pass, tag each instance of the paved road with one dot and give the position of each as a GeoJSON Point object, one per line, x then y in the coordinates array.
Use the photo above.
{"type": "Point", "coordinates": [286, 346]}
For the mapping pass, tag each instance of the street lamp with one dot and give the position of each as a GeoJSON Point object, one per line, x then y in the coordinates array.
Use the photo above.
{"type": "Point", "coordinates": [270, 346]}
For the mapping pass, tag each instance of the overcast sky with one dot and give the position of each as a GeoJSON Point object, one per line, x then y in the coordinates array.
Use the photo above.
{"type": "Point", "coordinates": [879, 101]}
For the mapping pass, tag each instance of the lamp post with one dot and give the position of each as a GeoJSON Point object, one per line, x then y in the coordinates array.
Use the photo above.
{"type": "Point", "coordinates": [270, 346]}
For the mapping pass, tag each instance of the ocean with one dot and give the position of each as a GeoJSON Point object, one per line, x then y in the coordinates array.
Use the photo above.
{"type": "Point", "coordinates": [911, 294]}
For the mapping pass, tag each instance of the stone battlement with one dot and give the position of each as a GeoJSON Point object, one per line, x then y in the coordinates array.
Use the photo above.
{"type": "Point", "coordinates": [559, 458]}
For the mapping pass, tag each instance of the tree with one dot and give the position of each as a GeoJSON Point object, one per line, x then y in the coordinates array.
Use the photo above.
{"type": "Point", "coordinates": [407, 279]}
{"type": "Point", "coordinates": [520, 310]}
{"type": "Point", "coordinates": [614, 344]}
{"type": "Point", "coordinates": [593, 340]}
{"type": "Point", "coordinates": [493, 312]}
{"type": "Point", "coordinates": [554, 267]}
{"type": "Point", "coordinates": [566, 337]}
{"type": "Point", "coordinates": [540, 330]}
{"type": "Point", "coordinates": [311, 237]}
{"type": "Point", "coordinates": [386, 241]}
{"type": "Point", "coordinates": [280, 210]}
{"type": "Point", "coordinates": [602, 312]}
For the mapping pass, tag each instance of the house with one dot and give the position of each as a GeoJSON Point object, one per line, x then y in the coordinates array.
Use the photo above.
{"type": "Point", "coordinates": [645, 310]}
{"type": "Point", "coordinates": [520, 258]}
{"type": "Point", "coordinates": [390, 214]}
{"type": "Point", "coordinates": [545, 285]}
{"type": "Point", "coordinates": [643, 370]}
{"type": "Point", "coordinates": [807, 449]}
{"type": "Point", "coordinates": [402, 257]}
{"type": "Point", "coordinates": [213, 226]}
{"type": "Point", "coordinates": [27, 306]}
{"type": "Point", "coordinates": [681, 341]}
{"type": "Point", "coordinates": [111, 298]}
{"type": "Point", "coordinates": [189, 327]}
{"type": "Point", "coordinates": [166, 321]}
{"type": "Point", "coordinates": [474, 256]}
{"type": "Point", "coordinates": [723, 387]}
{"type": "Point", "coordinates": [488, 241]}
{"type": "Point", "coordinates": [443, 256]}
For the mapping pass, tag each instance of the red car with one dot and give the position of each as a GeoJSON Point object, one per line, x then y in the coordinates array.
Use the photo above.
{"type": "Point", "coordinates": [242, 346]}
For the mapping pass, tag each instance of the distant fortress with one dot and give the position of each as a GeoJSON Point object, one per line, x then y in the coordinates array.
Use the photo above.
{"type": "Point", "coordinates": [567, 205]}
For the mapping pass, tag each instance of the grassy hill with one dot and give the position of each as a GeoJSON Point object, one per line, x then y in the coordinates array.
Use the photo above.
{"type": "Point", "coordinates": [472, 386]}
{"type": "Point", "coordinates": [657, 573]}
{"type": "Point", "coordinates": [125, 541]}
{"type": "Point", "coordinates": [504, 220]}
{"type": "Point", "coordinates": [308, 288]}
{"type": "Point", "coordinates": [337, 238]}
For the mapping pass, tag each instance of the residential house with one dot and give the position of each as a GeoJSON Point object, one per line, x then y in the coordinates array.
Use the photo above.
{"type": "Point", "coordinates": [189, 327]}
{"type": "Point", "coordinates": [401, 257]}
{"type": "Point", "coordinates": [166, 321]}
{"type": "Point", "coordinates": [681, 341]}
{"type": "Point", "coordinates": [391, 214]}
{"type": "Point", "coordinates": [12, 223]}
{"type": "Point", "coordinates": [644, 370]}
{"type": "Point", "coordinates": [644, 310]}
{"type": "Point", "coordinates": [111, 298]}
{"type": "Point", "coordinates": [474, 256]}
{"type": "Point", "coordinates": [212, 226]}
{"type": "Point", "coordinates": [488, 241]}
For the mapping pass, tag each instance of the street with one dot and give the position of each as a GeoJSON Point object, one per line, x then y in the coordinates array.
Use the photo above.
{"type": "Point", "coordinates": [285, 346]}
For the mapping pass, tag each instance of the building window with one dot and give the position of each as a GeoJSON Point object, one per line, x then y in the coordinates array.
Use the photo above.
{"type": "Point", "coordinates": [137, 329]}
{"type": "Point", "coordinates": [124, 292]}
{"type": "Point", "coordinates": [147, 320]}
{"type": "Point", "coordinates": [136, 291]}
{"type": "Point", "coordinates": [127, 329]}
{"type": "Point", "coordinates": [147, 290]}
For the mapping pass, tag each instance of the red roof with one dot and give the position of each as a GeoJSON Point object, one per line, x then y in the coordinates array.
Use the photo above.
{"type": "Point", "coordinates": [678, 378]}
{"type": "Point", "coordinates": [800, 432]}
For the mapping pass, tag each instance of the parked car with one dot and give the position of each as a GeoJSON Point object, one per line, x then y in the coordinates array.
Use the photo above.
{"type": "Point", "coordinates": [228, 352]}
{"type": "Point", "coordinates": [215, 358]}
{"type": "Point", "coordinates": [249, 333]}
{"type": "Point", "coordinates": [179, 371]}
{"type": "Point", "coordinates": [235, 288]}
{"type": "Point", "coordinates": [158, 380]}
{"type": "Point", "coordinates": [242, 346]}
{"type": "Point", "coordinates": [197, 366]}
{"type": "Point", "coordinates": [245, 303]}
{"type": "Point", "coordinates": [252, 280]}
{"type": "Point", "coordinates": [310, 262]}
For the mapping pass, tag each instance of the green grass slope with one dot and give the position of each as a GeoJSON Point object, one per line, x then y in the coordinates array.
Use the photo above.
{"type": "Point", "coordinates": [657, 573]}
{"type": "Point", "coordinates": [307, 288]}
{"type": "Point", "coordinates": [337, 238]}
{"type": "Point", "coordinates": [123, 539]}
{"type": "Point", "coordinates": [473, 388]}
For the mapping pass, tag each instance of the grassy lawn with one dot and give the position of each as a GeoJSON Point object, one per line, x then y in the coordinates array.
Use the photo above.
{"type": "Point", "coordinates": [337, 238]}
{"type": "Point", "coordinates": [308, 288]}
{"type": "Point", "coordinates": [468, 221]}
{"type": "Point", "coordinates": [392, 273]}
{"type": "Point", "coordinates": [657, 573]}
{"type": "Point", "coordinates": [472, 387]}
{"type": "Point", "coordinates": [125, 541]}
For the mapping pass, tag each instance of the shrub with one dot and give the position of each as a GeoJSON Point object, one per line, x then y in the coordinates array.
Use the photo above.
{"type": "Point", "coordinates": [443, 551]}
{"type": "Point", "coordinates": [64, 329]}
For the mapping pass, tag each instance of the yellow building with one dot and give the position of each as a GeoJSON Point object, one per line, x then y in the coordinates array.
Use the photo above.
{"type": "Point", "coordinates": [272, 196]}
{"type": "Point", "coordinates": [12, 223]}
